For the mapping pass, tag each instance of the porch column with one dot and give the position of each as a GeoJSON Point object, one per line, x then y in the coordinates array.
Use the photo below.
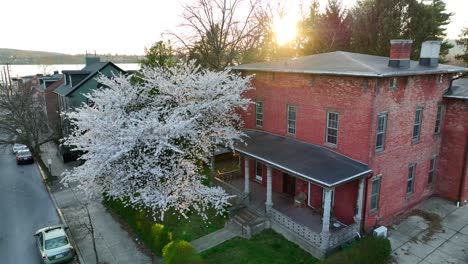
{"type": "Point", "coordinates": [269, 200]}
{"type": "Point", "coordinates": [326, 218]}
{"type": "Point", "coordinates": [247, 175]}
{"type": "Point", "coordinates": [359, 202]}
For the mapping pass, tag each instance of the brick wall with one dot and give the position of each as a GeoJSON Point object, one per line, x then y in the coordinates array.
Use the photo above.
{"type": "Point", "coordinates": [393, 162]}
{"type": "Point", "coordinates": [452, 155]}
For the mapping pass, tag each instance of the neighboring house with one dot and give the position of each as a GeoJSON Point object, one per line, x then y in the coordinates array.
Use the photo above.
{"type": "Point", "coordinates": [51, 104]}
{"type": "Point", "coordinates": [359, 138]}
{"type": "Point", "coordinates": [452, 168]}
{"type": "Point", "coordinates": [77, 83]}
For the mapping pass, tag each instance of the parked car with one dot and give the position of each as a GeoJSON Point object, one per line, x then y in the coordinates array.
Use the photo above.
{"type": "Point", "coordinates": [24, 156]}
{"type": "Point", "coordinates": [18, 147]}
{"type": "Point", "coordinates": [54, 245]}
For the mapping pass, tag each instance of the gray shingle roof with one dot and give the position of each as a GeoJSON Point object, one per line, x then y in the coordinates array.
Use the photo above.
{"type": "Point", "coordinates": [62, 89]}
{"type": "Point", "coordinates": [458, 90]}
{"type": "Point", "coordinates": [346, 63]}
{"type": "Point", "coordinates": [315, 163]}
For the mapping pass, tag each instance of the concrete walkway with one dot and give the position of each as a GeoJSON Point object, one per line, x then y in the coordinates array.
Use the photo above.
{"type": "Point", "coordinates": [216, 238]}
{"type": "Point", "coordinates": [449, 244]}
{"type": "Point", "coordinates": [114, 244]}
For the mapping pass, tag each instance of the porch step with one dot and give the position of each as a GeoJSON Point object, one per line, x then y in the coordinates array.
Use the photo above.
{"type": "Point", "coordinates": [249, 222]}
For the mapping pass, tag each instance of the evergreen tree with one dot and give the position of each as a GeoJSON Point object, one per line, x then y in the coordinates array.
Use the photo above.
{"type": "Point", "coordinates": [160, 54]}
{"type": "Point", "coordinates": [463, 41]}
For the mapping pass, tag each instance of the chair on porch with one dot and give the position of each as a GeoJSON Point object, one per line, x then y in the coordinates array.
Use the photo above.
{"type": "Point", "coordinates": [300, 200]}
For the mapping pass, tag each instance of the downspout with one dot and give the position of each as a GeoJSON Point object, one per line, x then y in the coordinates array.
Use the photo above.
{"type": "Point", "coordinates": [463, 174]}
{"type": "Point", "coordinates": [364, 205]}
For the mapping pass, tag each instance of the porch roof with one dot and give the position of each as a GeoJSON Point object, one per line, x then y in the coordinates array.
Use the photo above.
{"type": "Point", "coordinates": [312, 162]}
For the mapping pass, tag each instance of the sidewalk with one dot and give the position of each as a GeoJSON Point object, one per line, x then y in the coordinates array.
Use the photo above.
{"type": "Point", "coordinates": [114, 245]}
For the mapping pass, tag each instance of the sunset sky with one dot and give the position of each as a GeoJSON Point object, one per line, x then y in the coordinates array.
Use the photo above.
{"type": "Point", "coordinates": [118, 26]}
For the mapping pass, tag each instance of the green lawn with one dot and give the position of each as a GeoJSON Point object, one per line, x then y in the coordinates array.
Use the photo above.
{"type": "Point", "coordinates": [266, 247]}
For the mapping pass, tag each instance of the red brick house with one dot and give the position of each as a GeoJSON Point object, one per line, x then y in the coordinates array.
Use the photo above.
{"type": "Point", "coordinates": [362, 138]}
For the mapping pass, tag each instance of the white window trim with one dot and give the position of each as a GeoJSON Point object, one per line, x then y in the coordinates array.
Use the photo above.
{"type": "Point", "coordinates": [412, 166]}
{"type": "Point", "coordinates": [295, 120]}
{"type": "Point", "coordinates": [383, 132]}
{"type": "Point", "coordinates": [432, 169]}
{"type": "Point", "coordinates": [393, 83]}
{"type": "Point", "coordinates": [439, 118]}
{"type": "Point", "coordinates": [257, 113]}
{"type": "Point", "coordinates": [328, 127]}
{"type": "Point", "coordinates": [418, 136]}
{"type": "Point", "coordinates": [378, 178]}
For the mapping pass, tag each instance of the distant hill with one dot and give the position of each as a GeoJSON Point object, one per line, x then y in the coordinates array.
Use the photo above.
{"type": "Point", "coordinates": [14, 56]}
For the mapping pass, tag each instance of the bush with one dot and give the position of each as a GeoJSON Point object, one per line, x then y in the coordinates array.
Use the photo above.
{"type": "Point", "coordinates": [160, 237]}
{"type": "Point", "coordinates": [180, 252]}
{"type": "Point", "coordinates": [368, 250]}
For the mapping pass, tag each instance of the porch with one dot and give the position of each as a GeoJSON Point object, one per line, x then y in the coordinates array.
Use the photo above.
{"type": "Point", "coordinates": [275, 172]}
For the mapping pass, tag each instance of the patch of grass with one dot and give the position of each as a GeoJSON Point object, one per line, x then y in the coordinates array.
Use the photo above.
{"type": "Point", "coordinates": [368, 250]}
{"type": "Point", "coordinates": [266, 247]}
{"type": "Point", "coordinates": [142, 223]}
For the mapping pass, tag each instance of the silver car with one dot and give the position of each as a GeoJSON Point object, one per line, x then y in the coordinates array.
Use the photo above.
{"type": "Point", "coordinates": [18, 147]}
{"type": "Point", "coordinates": [53, 244]}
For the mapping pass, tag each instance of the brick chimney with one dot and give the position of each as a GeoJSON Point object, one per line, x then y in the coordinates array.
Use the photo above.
{"type": "Point", "coordinates": [400, 51]}
{"type": "Point", "coordinates": [430, 51]}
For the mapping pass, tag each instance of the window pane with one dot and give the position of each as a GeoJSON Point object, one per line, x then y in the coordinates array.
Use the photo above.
{"type": "Point", "coordinates": [374, 202]}
{"type": "Point", "coordinates": [379, 141]}
{"type": "Point", "coordinates": [331, 139]}
{"type": "Point", "coordinates": [416, 132]}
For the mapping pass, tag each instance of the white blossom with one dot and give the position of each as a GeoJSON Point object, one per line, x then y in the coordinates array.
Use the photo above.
{"type": "Point", "coordinates": [147, 140]}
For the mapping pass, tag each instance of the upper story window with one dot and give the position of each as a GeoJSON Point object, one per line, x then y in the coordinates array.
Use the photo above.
{"type": "Point", "coordinates": [259, 113]}
{"type": "Point", "coordinates": [432, 168]}
{"type": "Point", "coordinates": [438, 123]}
{"type": "Point", "coordinates": [292, 116]}
{"type": "Point", "coordinates": [332, 128]}
{"type": "Point", "coordinates": [375, 193]}
{"type": "Point", "coordinates": [441, 78]}
{"type": "Point", "coordinates": [393, 83]}
{"type": "Point", "coordinates": [410, 182]}
{"type": "Point", "coordinates": [417, 124]}
{"type": "Point", "coordinates": [381, 131]}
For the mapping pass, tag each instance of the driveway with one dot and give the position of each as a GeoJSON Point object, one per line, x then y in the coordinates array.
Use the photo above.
{"type": "Point", "coordinates": [436, 233]}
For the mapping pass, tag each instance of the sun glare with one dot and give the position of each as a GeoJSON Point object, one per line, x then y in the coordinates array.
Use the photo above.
{"type": "Point", "coordinates": [285, 29]}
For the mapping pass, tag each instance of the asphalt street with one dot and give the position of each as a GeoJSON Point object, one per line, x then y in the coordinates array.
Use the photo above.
{"type": "Point", "coordinates": [25, 206]}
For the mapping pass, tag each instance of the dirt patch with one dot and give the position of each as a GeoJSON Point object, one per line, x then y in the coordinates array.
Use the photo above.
{"type": "Point", "coordinates": [434, 223]}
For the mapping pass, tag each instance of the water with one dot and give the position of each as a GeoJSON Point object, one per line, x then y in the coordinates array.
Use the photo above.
{"type": "Point", "coordinates": [24, 70]}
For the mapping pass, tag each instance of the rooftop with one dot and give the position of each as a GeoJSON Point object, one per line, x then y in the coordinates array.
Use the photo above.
{"type": "Point", "coordinates": [312, 162]}
{"type": "Point", "coordinates": [458, 90]}
{"type": "Point", "coordinates": [346, 63]}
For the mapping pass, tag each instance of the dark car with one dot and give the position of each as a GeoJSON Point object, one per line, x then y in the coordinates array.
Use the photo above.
{"type": "Point", "coordinates": [24, 156]}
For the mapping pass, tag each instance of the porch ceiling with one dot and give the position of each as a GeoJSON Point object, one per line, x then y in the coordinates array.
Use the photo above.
{"type": "Point", "coordinates": [315, 163]}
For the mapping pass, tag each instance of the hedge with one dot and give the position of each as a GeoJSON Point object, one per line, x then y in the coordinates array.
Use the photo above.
{"type": "Point", "coordinates": [180, 252]}
{"type": "Point", "coordinates": [368, 250]}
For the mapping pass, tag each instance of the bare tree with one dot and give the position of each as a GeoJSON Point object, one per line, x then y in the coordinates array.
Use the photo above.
{"type": "Point", "coordinates": [89, 226]}
{"type": "Point", "coordinates": [22, 120]}
{"type": "Point", "coordinates": [218, 33]}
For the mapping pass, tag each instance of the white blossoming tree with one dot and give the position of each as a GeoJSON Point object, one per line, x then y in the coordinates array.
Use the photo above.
{"type": "Point", "coordinates": [147, 141]}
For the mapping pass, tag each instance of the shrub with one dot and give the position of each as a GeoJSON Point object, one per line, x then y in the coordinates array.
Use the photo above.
{"type": "Point", "coordinates": [180, 252]}
{"type": "Point", "coordinates": [160, 237]}
{"type": "Point", "coordinates": [368, 250]}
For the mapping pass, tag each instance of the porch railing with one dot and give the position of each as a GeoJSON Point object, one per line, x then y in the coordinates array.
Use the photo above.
{"type": "Point", "coordinates": [343, 235]}
{"type": "Point", "coordinates": [304, 232]}
{"type": "Point", "coordinates": [228, 176]}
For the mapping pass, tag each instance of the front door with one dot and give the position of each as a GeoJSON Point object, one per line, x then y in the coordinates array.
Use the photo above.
{"type": "Point", "coordinates": [289, 184]}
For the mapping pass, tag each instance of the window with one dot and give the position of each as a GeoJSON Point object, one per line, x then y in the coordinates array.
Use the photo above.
{"type": "Point", "coordinates": [441, 78]}
{"type": "Point", "coordinates": [438, 124]}
{"type": "Point", "coordinates": [410, 183]}
{"type": "Point", "coordinates": [381, 131]}
{"type": "Point", "coordinates": [432, 167]}
{"type": "Point", "coordinates": [375, 193]}
{"type": "Point", "coordinates": [259, 113]}
{"type": "Point", "coordinates": [292, 119]}
{"type": "Point", "coordinates": [417, 124]}
{"type": "Point", "coordinates": [332, 128]}
{"type": "Point", "coordinates": [393, 83]}
{"type": "Point", "coordinates": [258, 171]}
